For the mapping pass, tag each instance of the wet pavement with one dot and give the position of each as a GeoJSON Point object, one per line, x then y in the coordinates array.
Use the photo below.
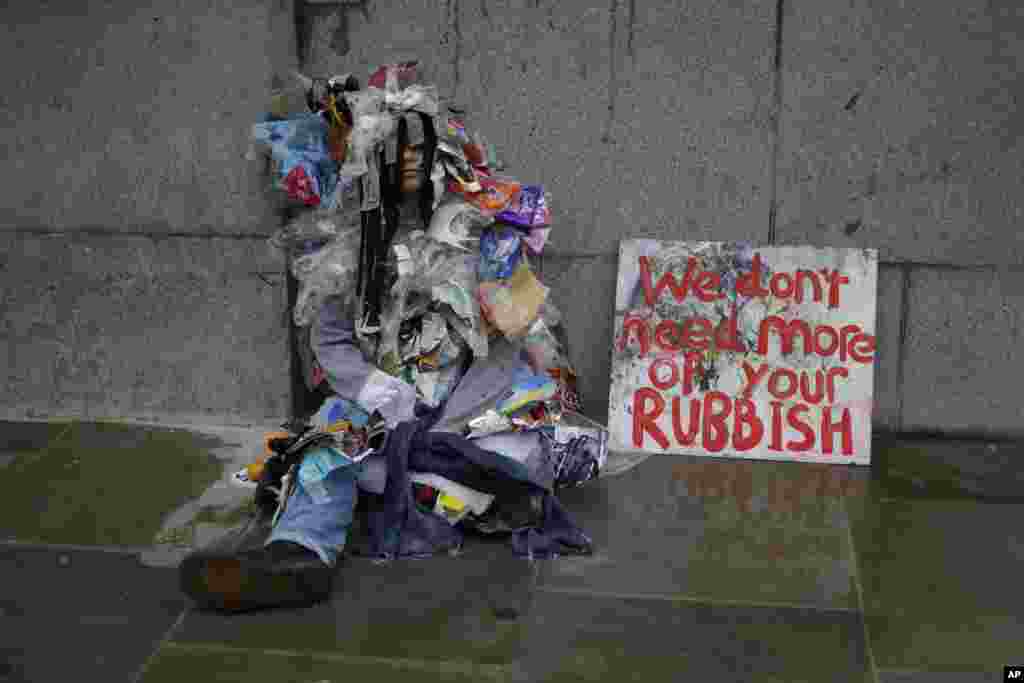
{"type": "Point", "coordinates": [705, 570]}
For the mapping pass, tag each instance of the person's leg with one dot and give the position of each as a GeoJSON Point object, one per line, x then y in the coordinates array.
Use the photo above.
{"type": "Point", "coordinates": [298, 561]}
{"type": "Point", "coordinates": [319, 512]}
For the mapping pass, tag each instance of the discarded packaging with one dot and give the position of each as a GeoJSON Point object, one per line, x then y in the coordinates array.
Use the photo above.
{"type": "Point", "coordinates": [303, 161]}
{"type": "Point", "coordinates": [327, 272]}
{"type": "Point", "coordinates": [528, 209]}
{"type": "Point", "coordinates": [514, 304]}
{"type": "Point", "coordinates": [495, 195]}
{"type": "Point", "coordinates": [500, 253]}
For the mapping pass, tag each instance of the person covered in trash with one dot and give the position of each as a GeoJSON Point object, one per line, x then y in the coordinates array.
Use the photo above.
{"type": "Point", "coordinates": [449, 407]}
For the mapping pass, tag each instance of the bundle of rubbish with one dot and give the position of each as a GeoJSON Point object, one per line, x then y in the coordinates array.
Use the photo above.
{"type": "Point", "coordinates": [452, 398]}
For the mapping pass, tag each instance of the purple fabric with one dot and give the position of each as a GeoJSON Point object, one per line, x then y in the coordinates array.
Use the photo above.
{"type": "Point", "coordinates": [398, 528]}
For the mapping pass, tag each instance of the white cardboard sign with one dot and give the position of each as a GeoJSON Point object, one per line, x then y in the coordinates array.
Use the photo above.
{"type": "Point", "coordinates": [732, 350]}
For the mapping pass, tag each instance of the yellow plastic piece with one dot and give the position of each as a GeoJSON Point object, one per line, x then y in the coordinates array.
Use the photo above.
{"type": "Point", "coordinates": [451, 503]}
{"type": "Point", "coordinates": [339, 426]}
{"type": "Point", "coordinates": [255, 471]}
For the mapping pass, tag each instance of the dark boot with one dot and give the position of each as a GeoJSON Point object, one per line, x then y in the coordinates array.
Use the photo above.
{"type": "Point", "coordinates": [279, 574]}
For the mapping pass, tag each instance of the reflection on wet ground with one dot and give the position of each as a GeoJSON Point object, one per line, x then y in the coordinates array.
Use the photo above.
{"type": "Point", "coordinates": [706, 569]}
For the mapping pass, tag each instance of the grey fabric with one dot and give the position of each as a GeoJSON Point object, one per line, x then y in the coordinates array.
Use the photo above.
{"type": "Point", "coordinates": [483, 385]}
{"type": "Point", "coordinates": [373, 474]}
{"type": "Point", "coordinates": [528, 448]}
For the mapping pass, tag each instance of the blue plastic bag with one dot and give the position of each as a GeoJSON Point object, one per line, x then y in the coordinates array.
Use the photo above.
{"type": "Point", "coordinates": [305, 168]}
{"type": "Point", "coordinates": [500, 253]}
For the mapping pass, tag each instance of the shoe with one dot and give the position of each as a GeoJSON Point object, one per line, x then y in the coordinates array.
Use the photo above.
{"type": "Point", "coordinates": [280, 574]}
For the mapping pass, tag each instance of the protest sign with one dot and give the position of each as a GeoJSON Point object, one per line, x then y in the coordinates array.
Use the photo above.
{"type": "Point", "coordinates": [731, 350]}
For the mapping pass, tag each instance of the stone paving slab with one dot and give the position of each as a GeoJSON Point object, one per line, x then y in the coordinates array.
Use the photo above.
{"type": "Point", "coordinates": [81, 614]}
{"type": "Point", "coordinates": [707, 529]}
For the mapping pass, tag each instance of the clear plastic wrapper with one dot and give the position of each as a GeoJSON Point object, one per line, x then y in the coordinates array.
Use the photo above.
{"type": "Point", "coordinates": [371, 125]}
{"type": "Point", "coordinates": [471, 333]}
{"type": "Point", "coordinates": [318, 226]}
{"type": "Point", "coordinates": [421, 98]}
{"type": "Point", "coordinates": [392, 77]}
{"type": "Point", "coordinates": [431, 273]}
{"type": "Point", "coordinates": [542, 348]}
{"type": "Point", "coordinates": [536, 239]}
{"type": "Point", "coordinates": [330, 271]}
{"type": "Point", "coordinates": [457, 224]}
{"type": "Point", "coordinates": [513, 305]}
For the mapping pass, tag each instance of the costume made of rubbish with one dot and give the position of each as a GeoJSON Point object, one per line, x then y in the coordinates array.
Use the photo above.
{"type": "Point", "coordinates": [446, 367]}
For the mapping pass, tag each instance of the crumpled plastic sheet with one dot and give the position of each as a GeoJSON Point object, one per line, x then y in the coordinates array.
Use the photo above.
{"type": "Point", "coordinates": [536, 239]}
{"type": "Point", "coordinates": [542, 348]}
{"type": "Point", "coordinates": [327, 272]}
{"type": "Point", "coordinates": [421, 98]}
{"type": "Point", "coordinates": [432, 269]}
{"type": "Point", "coordinates": [315, 226]}
{"type": "Point", "coordinates": [371, 125]}
{"type": "Point", "coordinates": [513, 305]}
{"type": "Point", "coordinates": [454, 223]}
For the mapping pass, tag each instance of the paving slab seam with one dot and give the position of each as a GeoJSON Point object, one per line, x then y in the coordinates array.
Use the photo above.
{"type": "Point", "coordinates": [171, 632]}
{"type": "Point", "coordinates": [773, 180]}
{"type": "Point", "coordinates": [489, 671]}
{"type": "Point", "coordinates": [45, 449]}
{"type": "Point", "coordinates": [855, 570]}
{"type": "Point", "coordinates": [68, 547]}
{"type": "Point", "coordinates": [241, 424]}
{"type": "Point", "coordinates": [555, 254]}
{"type": "Point", "coordinates": [95, 231]}
{"type": "Point", "coordinates": [696, 600]}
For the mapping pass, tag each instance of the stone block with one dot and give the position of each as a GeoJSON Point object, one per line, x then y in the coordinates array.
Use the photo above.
{"type": "Point", "coordinates": [128, 326]}
{"type": "Point", "coordinates": [131, 118]}
{"type": "Point", "coordinates": [900, 130]}
{"type": "Point", "coordinates": [962, 356]}
{"type": "Point", "coordinates": [648, 120]}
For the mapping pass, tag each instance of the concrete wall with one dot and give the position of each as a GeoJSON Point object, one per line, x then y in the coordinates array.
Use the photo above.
{"type": "Point", "coordinates": [135, 273]}
{"type": "Point", "coordinates": [902, 129]}
{"type": "Point", "coordinates": [897, 128]}
{"type": "Point", "coordinates": [888, 125]}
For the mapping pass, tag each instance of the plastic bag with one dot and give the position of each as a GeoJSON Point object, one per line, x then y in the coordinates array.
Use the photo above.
{"type": "Point", "coordinates": [421, 98]}
{"type": "Point", "coordinates": [371, 125]}
{"type": "Point", "coordinates": [318, 226]}
{"type": "Point", "coordinates": [330, 271]}
{"type": "Point", "coordinates": [542, 348]}
{"type": "Point", "coordinates": [500, 253]}
{"type": "Point", "coordinates": [454, 223]}
{"type": "Point", "coordinates": [303, 167]}
{"type": "Point", "coordinates": [536, 239]}
{"type": "Point", "coordinates": [561, 370]}
{"type": "Point", "coordinates": [394, 76]}
{"type": "Point", "coordinates": [495, 196]}
{"type": "Point", "coordinates": [513, 305]}
{"type": "Point", "coordinates": [528, 209]}
{"type": "Point", "coordinates": [438, 274]}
